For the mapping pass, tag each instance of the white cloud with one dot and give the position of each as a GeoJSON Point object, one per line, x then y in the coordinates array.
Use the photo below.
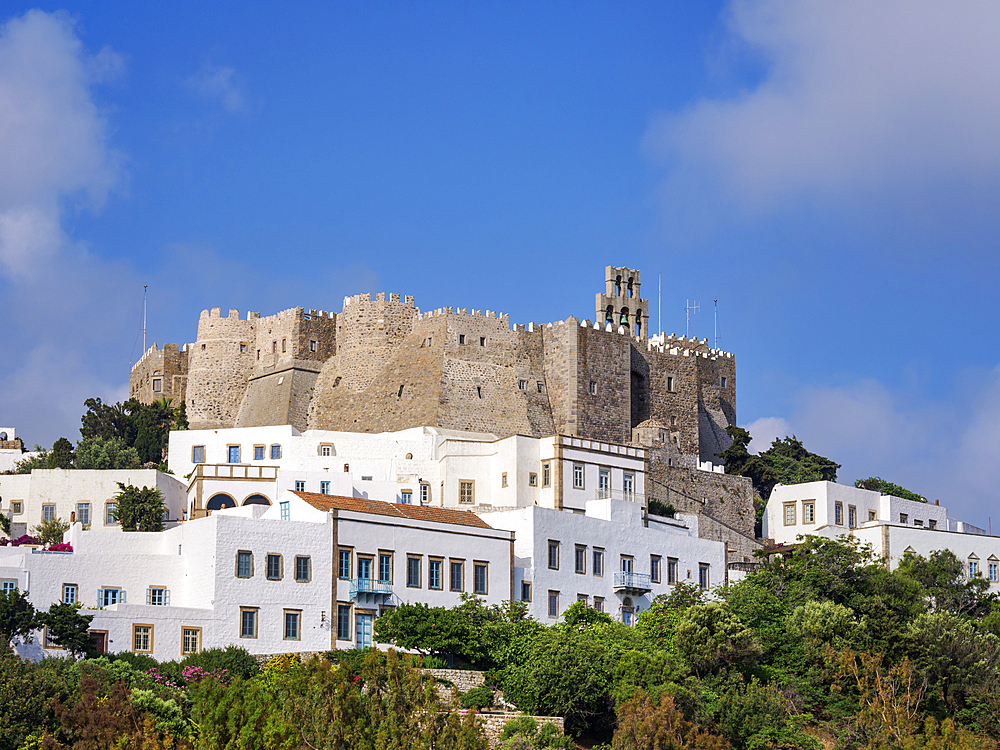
{"type": "Point", "coordinates": [218, 84]}
{"type": "Point", "coordinates": [857, 96]}
{"type": "Point", "coordinates": [766, 430]}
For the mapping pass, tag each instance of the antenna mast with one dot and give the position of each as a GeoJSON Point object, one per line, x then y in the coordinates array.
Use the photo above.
{"type": "Point", "coordinates": [688, 308]}
{"type": "Point", "coordinates": [144, 286]}
{"type": "Point", "coordinates": [659, 301]}
{"type": "Point", "coordinates": [715, 345]}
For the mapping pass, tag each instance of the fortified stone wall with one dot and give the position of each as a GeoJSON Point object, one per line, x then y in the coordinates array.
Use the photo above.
{"type": "Point", "coordinates": [160, 373]}
{"type": "Point", "coordinates": [220, 365]}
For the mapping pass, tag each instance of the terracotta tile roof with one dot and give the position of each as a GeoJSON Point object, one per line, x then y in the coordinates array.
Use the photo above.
{"type": "Point", "coordinates": [416, 512]}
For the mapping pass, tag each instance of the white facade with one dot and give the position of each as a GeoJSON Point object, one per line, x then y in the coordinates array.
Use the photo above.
{"type": "Point", "coordinates": [607, 557]}
{"type": "Point", "coordinates": [80, 495]}
{"type": "Point", "coordinates": [9, 455]}
{"type": "Point", "coordinates": [424, 465]}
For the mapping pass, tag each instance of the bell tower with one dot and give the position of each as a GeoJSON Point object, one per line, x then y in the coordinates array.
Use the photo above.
{"type": "Point", "coordinates": [621, 304]}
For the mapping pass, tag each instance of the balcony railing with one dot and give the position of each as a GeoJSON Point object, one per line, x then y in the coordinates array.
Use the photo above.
{"type": "Point", "coordinates": [628, 496]}
{"type": "Point", "coordinates": [370, 589]}
{"type": "Point", "coordinates": [635, 583]}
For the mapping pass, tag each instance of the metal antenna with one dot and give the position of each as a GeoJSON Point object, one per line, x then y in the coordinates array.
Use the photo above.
{"type": "Point", "coordinates": [659, 301]}
{"type": "Point", "coordinates": [716, 343]}
{"type": "Point", "coordinates": [144, 286]}
{"type": "Point", "coordinates": [688, 308]}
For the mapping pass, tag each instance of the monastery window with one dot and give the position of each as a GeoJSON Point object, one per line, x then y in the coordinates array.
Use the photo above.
{"type": "Point", "coordinates": [425, 494]}
{"type": "Point", "coordinates": [286, 512]}
{"type": "Point", "coordinates": [480, 578]}
{"type": "Point", "coordinates": [482, 341]}
{"type": "Point", "coordinates": [598, 567]}
{"type": "Point", "coordinates": [525, 591]}
{"type": "Point", "coordinates": [704, 576]}
{"type": "Point", "coordinates": [324, 487]}
{"type": "Point", "coordinates": [107, 597]}
{"type": "Point", "coordinates": [9, 585]}
{"type": "Point", "coordinates": [838, 514]}
{"type": "Point", "coordinates": [671, 571]}
{"type": "Point", "coordinates": [581, 559]}
{"type": "Point", "coordinates": [83, 513]}
{"type": "Point", "coordinates": [578, 477]}
{"type": "Point", "coordinates": [628, 612]}
{"type": "Point", "coordinates": [258, 354]}
{"type": "Point", "coordinates": [312, 345]}
{"type": "Point", "coordinates": [274, 347]}
{"type": "Point", "coordinates": [243, 348]}
{"type": "Point", "coordinates": [275, 452]}
{"type": "Point", "coordinates": [284, 346]}
{"type": "Point", "coordinates": [413, 571]}
{"type": "Point", "coordinates": [336, 381]}
{"type": "Point", "coordinates": [190, 641]}
{"type": "Point", "coordinates": [292, 618]}
{"type": "Point", "coordinates": [157, 385]}
{"type": "Point", "coordinates": [234, 454]}
{"type": "Point", "coordinates": [994, 572]}
{"type": "Point", "coordinates": [789, 514]}
{"type": "Point", "coordinates": [69, 593]}
{"type": "Point", "coordinates": [932, 524]}
{"type": "Point", "coordinates": [197, 454]}
{"type": "Point", "coordinates": [546, 474]}
{"type": "Point", "coordinates": [142, 639]}
{"type": "Point", "coordinates": [593, 387]}
{"type": "Point", "coordinates": [203, 347]}
{"type": "Point", "coordinates": [670, 386]}
{"type": "Point", "coordinates": [366, 477]}
{"type": "Point", "coordinates": [809, 512]}
{"type": "Point", "coordinates": [110, 514]}
{"type": "Point", "coordinates": [258, 453]}
{"type": "Point", "coordinates": [461, 338]}
{"type": "Point", "coordinates": [48, 512]}
{"type": "Point", "coordinates": [385, 566]}
{"type": "Point", "coordinates": [973, 569]}
{"type": "Point", "coordinates": [584, 598]}
{"type": "Point", "coordinates": [673, 421]}
{"type": "Point", "coordinates": [479, 391]}
{"type": "Point", "coordinates": [244, 564]}
{"type": "Point", "coordinates": [904, 519]}
{"type": "Point", "coordinates": [654, 568]}
{"type": "Point", "coordinates": [343, 622]}
{"type": "Point", "coordinates": [274, 567]}
{"type": "Point", "coordinates": [503, 479]}
{"type": "Point", "coordinates": [16, 507]}
{"type": "Point", "coordinates": [300, 485]}
{"type": "Point", "coordinates": [598, 603]}
{"type": "Point", "coordinates": [553, 555]}
{"type": "Point", "coordinates": [409, 456]}
{"type": "Point", "coordinates": [604, 484]}
{"type": "Point", "coordinates": [344, 564]}
{"type": "Point", "coordinates": [532, 479]}
{"type": "Point", "coordinates": [406, 497]}
{"type": "Point", "coordinates": [553, 603]}
{"type": "Point", "coordinates": [852, 517]}
{"type": "Point", "coordinates": [248, 622]}
{"type": "Point", "coordinates": [872, 515]}
{"type": "Point", "coordinates": [539, 386]}
{"type": "Point", "coordinates": [522, 385]}
{"type": "Point", "coordinates": [917, 522]}
{"type": "Point", "coordinates": [399, 394]}
{"type": "Point", "coordinates": [157, 596]}
{"type": "Point", "coordinates": [434, 566]}
{"type": "Point", "coordinates": [466, 492]}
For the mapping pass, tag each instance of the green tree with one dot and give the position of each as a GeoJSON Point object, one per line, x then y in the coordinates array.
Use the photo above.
{"type": "Point", "coordinates": [644, 725]}
{"type": "Point", "coordinates": [943, 577]}
{"type": "Point", "coordinates": [153, 422]}
{"type": "Point", "coordinates": [709, 636]}
{"type": "Point", "coordinates": [429, 630]}
{"type": "Point", "coordinates": [17, 617]}
{"type": "Point", "coordinates": [786, 461]}
{"type": "Point", "coordinates": [107, 421]}
{"type": "Point", "coordinates": [39, 461]}
{"type": "Point", "coordinates": [139, 509]}
{"type": "Point", "coordinates": [581, 616]}
{"type": "Point", "coordinates": [62, 455]}
{"type": "Point", "coordinates": [51, 531]}
{"type": "Point", "coordinates": [106, 453]}
{"type": "Point", "coordinates": [888, 488]}
{"type": "Point", "coordinates": [67, 627]}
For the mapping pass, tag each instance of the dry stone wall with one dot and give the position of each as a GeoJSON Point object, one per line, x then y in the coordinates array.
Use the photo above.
{"type": "Point", "coordinates": [169, 366]}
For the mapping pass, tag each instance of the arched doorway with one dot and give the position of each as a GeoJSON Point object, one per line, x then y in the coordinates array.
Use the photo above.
{"type": "Point", "coordinates": [220, 501]}
{"type": "Point", "coordinates": [256, 499]}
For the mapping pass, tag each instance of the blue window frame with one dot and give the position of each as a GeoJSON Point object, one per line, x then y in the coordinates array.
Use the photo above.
{"type": "Point", "coordinates": [286, 513]}
{"type": "Point", "coordinates": [344, 564]}
{"type": "Point", "coordinates": [248, 623]}
{"type": "Point", "coordinates": [275, 452]}
{"type": "Point", "coordinates": [244, 564]}
{"type": "Point", "coordinates": [303, 570]}
{"type": "Point", "coordinates": [234, 454]}
{"type": "Point", "coordinates": [324, 487]}
{"type": "Point", "coordinates": [300, 485]}
{"type": "Point", "coordinates": [258, 453]}
{"type": "Point", "coordinates": [385, 567]}
{"type": "Point", "coordinates": [434, 574]}
{"type": "Point", "coordinates": [343, 622]}
{"type": "Point", "coordinates": [291, 626]}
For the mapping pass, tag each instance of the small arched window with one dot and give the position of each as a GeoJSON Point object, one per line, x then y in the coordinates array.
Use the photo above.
{"type": "Point", "coordinates": [630, 288]}
{"type": "Point", "coordinates": [624, 317]}
{"type": "Point", "coordinates": [618, 286]}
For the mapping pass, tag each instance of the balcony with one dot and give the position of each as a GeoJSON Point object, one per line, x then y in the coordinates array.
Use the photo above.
{"type": "Point", "coordinates": [628, 496]}
{"type": "Point", "coordinates": [634, 584]}
{"type": "Point", "coordinates": [371, 590]}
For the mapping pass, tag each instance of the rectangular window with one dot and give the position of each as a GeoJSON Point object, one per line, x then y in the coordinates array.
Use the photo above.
{"type": "Point", "coordinates": [604, 484]}
{"type": "Point", "coordinates": [157, 385]}
{"type": "Point", "coordinates": [809, 512]}
{"type": "Point", "coordinates": [244, 564]}
{"type": "Point", "coordinates": [292, 625]}
{"type": "Point", "coordinates": [248, 622]}
{"type": "Point", "coordinates": [300, 485]}
{"type": "Point", "coordinates": [343, 622]}
{"type": "Point", "coordinates": [457, 569]}
{"type": "Point", "coordinates": [16, 507]}
{"type": "Point", "coordinates": [654, 568]}
{"type": "Point", "coordinates": [479, 578]}
{"type": "Point", "coordinates": [599, 603]}
{"type": "Point", "coordinates": [553, 555]}
{"type": "Point", "coordinates": [872, 515]}
{"type": "Point", "coordinates": [553, 603]}
{"type": "Point", "coordinates": [852, 517]}
{"type": "Point", "coordinates": [157, 596]}
{"type": "Point", "coordinates": [385, 567]}
{"type": "Point", "coordinates": [546, 474]}
{"type": "Point", "coordinates": [234, 454]}
{"type": "Point", "coordinates": [9, 586]}
{"type": "Point", "coordinates": [789, 514]}
{"type": "Point", "coordinates": [994, 572]}
{"type": "Point", "coordinates": [932, 524]}
{"type": "Point", "coordinates": [413, 572]}
{"type": "Point", "coordinates": [904, 519]}
{"type": "Point", "coordinates": [532, 479]}
{"type": "Point", "coordinates": [198, 454]}
{"type": "Point", "coordinates": [303, 568]}
{"type": "Point", "coordinates": [466, 492]}
{"type": "Point", "coordinates": [723, 381]}
{"type": "Point", "coordinates": [286, 511]}
{"type": "Point", "coordinates": [107, 597]}
{"type": "Point", "coordinates": [671, 570]}
{"type": "Point", "coordinates": [434, 574]}
{"type": "Point", "coordinates": [522, 385]}
{"type": "Point", "coordinates": [273, 567]}
{"type": "Point", "coordinates": [190, 641]}
{"type": "Point", "coordinates": [838, 514]}
{"type": "Point", "coordinates": [110, 514]}
{"type": "Point", "coordinates": [327, 450]}
{"type": "Point", "coordinates": [274, 347]}
{"type": "Point", "coordinates": [578, 476]}
{"type": "Point", "coordinates": [425, 494]}
{"type": "Point", "coordinates": [598, 562]}
{"type": "Point", "coordinates": [142, 639]}
{"type": "Point", "coordinates": [312, 345]}
{"type": "Point", "coordinates": [482, 341]}
{"type": "Point", "coordinates": [704, 580]}
{"type": "Point", "coordinates": [917, 522]}
{"type": "Point", "coordinates": [593, 387]}
{"type": "Point", "coordinates": [627, 562]}
{"type": "Point", "coordinates": [275, 452]}
{"type": "Point", "coordinates": [48, 512]}
{"type": "Point", "coordinates": [344, 564]}
{"type": "Point", "coordinates": [628, 486]}
{"type": "Point", "coordinates": [406, 497]}
{"type": "Point", "coordinates": [581, 559]}
{"type": "Point", "coordinates": [365, 565]}
{"type": "Point", "coordinates": [284, 345]}
{"type": "Point", "coordinates": [258, 453]}
{"type": "Point", "coordinates": [973, 568]}
{"type": "Point", "coordinates": [583, 598]}
{"type": "Point", "coordinates": [525, 591]}
{"type": "Point", "coordinates": [324, 487]}
{"type": "Point", "coordinates": [69, 593]}
{"type": "Point", "coordinates": [83, 513]}
{"type": "Point", "coordinates": [503, 479]}
{"type": "Point", "coordinates": [461, 338]}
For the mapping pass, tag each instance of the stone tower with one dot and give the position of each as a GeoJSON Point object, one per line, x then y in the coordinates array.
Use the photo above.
{"type": "Point", "coordinates": [620, 304]}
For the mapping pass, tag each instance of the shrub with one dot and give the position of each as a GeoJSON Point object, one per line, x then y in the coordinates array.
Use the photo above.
{"type": "Point", "coordinates": [235, 661]}
{"type": "Point", "coordinates": [478, 698]}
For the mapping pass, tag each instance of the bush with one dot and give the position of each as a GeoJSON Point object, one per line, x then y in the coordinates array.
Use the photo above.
{"type": "Point", "coordinates": [478, 698]}
{"type": "Point", "coordinates": [235, 660]}
{"type": "Point", "coordinates": [138, 662]}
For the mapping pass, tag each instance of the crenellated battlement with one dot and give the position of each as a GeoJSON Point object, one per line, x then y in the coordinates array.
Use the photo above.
{"type": "Point", "coordinates": [502, 318]}
{"type": "Point", "coordinates": [360, 299]}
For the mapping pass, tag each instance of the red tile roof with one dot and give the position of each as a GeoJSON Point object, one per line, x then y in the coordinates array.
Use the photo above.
{"type": "Point", "coordinates": [416, 512]}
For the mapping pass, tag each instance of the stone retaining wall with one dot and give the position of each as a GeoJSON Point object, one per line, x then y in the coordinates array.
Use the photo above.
{"type": "Point", "coordinates": [463, 679]}
{"type": "Point", "coordinates": [493, 724]}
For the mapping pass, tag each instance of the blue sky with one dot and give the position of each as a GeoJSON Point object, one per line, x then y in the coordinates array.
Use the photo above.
{"type": "Point", "coordinates": [830, 172]}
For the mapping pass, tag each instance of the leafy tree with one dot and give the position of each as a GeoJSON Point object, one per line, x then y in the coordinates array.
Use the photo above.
{"type": "Point", "coordinates": [50, 532]}
{"type": "Point", "coordinates": [753, 715]}
{"type": "Point", "coordinates": [523, 733]}
{"type": "Point", "coordinates": [5, 523]}
{"type": "Point", "coordinates": [153, 422]}
{"type": "Point", "coordinates": [17, 617]}
{"type": "Point", "coordinates": [27, 692]}
{"type": "Point", "coordinates": [946, 736]}
{"type": "Point", "coordinates": [67, 627]}
{"type": "Point", "coordinates": [644, 725]}
{"type": "Point", "coordinates": [429, 630]}
{"type": "Point", "coordinates": [106, 453]}
{"type": "Point", "coordinates": [581, 616]}
{"type": "Point", "coordinates": [943, 577]}
{"type": "Point", "coordinates": [710, 636]}
{"type": "Point", "coordinates": [107, 421]}
{"type": "Point", "coordinates": [786, 461]}
{"type": "Point", "coordinates": [62, 455]}
{"type": "Point", "coordinates": [139, 509]}
{"type": "Point", "coordinates": [888, 488]}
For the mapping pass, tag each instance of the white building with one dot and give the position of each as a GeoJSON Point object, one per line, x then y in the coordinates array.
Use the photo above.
{"type": "Point", "coordinates": [10, 450]}
{"type": "Point", "coordinates": [422, 465]}
{"type": "Point", "coordinates": [610, 557]}
{"type": "Point", "coordinates": [80, 495]}
{"type": "Point", "coordinates": [263, 577]}
{"type": "Point", "coordinates": [892, 525]}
